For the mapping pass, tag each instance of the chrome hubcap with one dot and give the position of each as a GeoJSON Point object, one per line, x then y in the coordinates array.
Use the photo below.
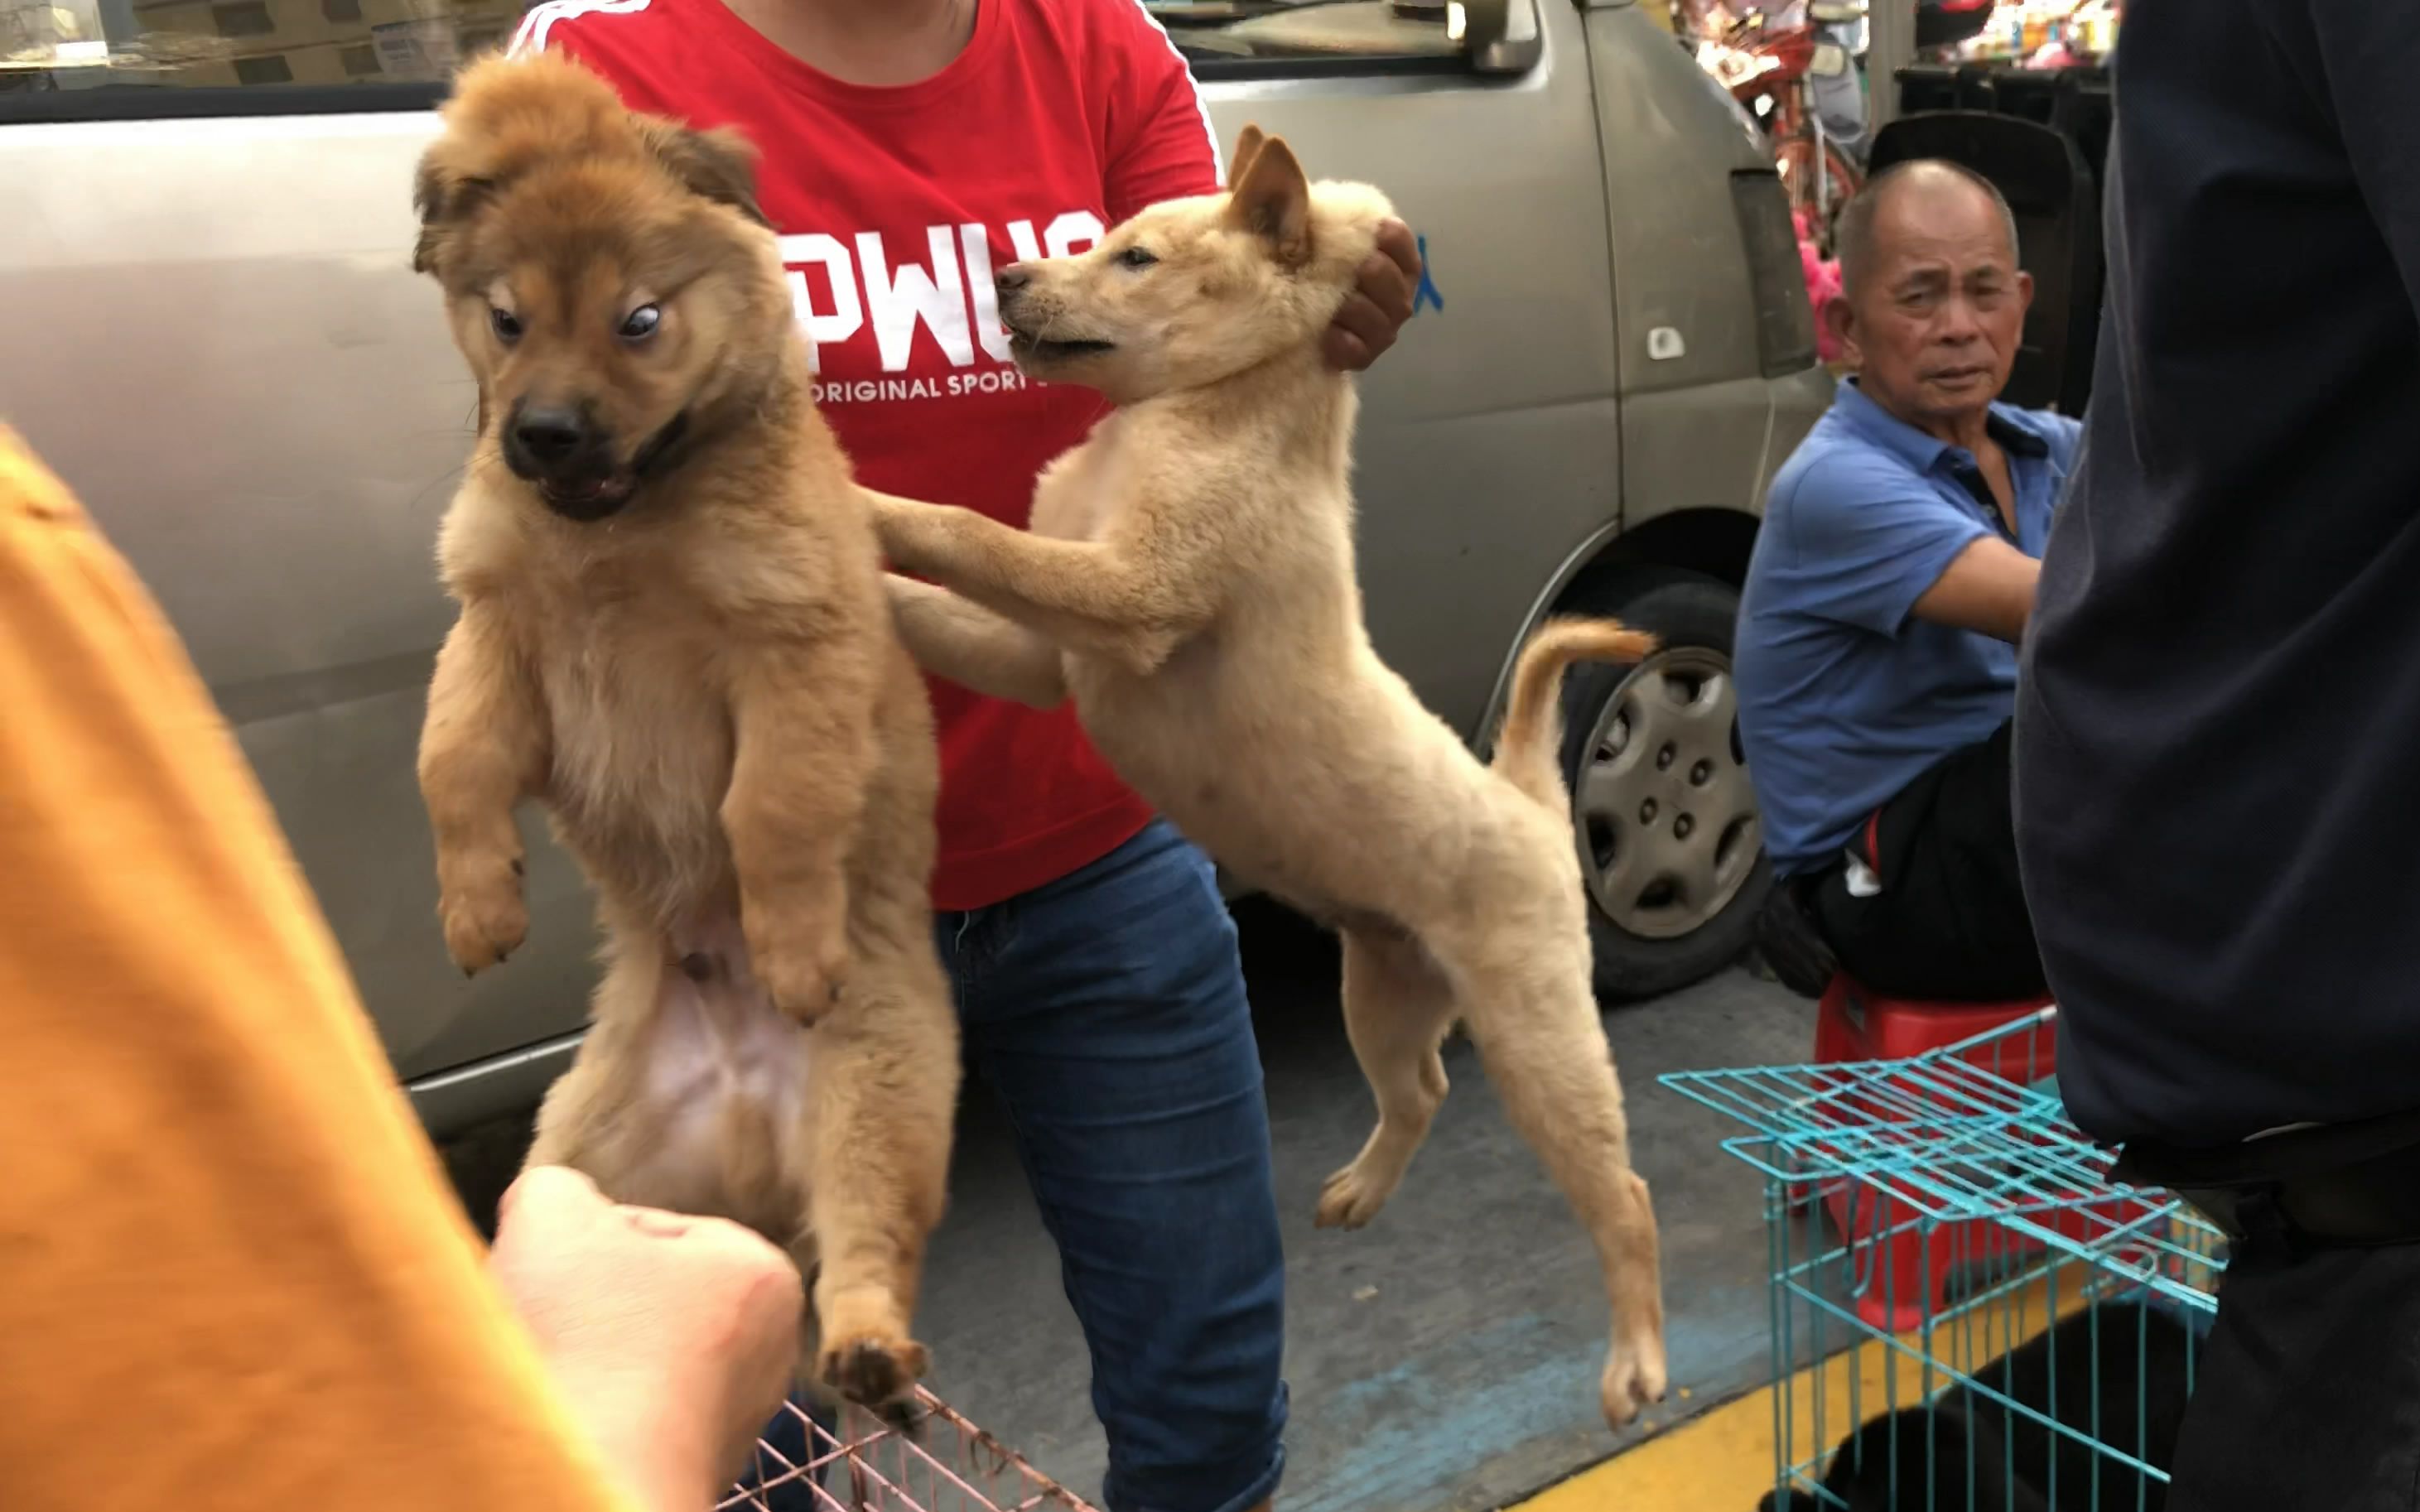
{"type": "Point", "coordinates": [1667, 821]}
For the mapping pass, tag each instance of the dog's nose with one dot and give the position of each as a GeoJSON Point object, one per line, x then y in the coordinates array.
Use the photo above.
{"type": "Point", "coordinates": [550, 436]}
{"type": "Point", "coordinates": [1014, 277]}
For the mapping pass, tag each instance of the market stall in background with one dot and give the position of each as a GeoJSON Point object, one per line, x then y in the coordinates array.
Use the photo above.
{"type": "Point", "coordinates": [1802, 69]}
{"type": "Point", "coordinates": [1802, 74]}
{"type": "Point", "coordinates": [2036, 34]}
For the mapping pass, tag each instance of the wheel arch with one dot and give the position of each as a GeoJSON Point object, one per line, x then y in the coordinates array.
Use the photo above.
{"type": "Point", "coordinates": [1712, 541]}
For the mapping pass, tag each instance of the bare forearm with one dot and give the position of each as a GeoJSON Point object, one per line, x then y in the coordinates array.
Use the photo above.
{"type": "Point", "coordinates": [1988, 588]}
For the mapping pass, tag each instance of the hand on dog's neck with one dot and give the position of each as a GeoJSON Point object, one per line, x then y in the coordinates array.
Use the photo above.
{"type": "Point", "coordinates": [883, 43]}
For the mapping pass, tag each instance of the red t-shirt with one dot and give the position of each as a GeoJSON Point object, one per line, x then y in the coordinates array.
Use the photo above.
{"type": "Point", "coordinates": [895, 206]}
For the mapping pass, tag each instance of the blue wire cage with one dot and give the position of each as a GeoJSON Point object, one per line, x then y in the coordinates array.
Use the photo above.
{"type": "Point", "coordinates": [1966, 1312]}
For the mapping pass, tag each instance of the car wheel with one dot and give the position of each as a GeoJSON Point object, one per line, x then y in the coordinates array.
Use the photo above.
{"type": "Point", "coordinates": [1670, 842]}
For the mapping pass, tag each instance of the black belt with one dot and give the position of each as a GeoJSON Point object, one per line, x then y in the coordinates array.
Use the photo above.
{"type": "Point", "coordinates": [2343, 1186]}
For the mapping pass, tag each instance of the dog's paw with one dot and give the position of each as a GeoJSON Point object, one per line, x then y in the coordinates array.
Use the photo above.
{"type": "Point", "coordinates": [874, 1372]}
{"type": "Point", "coordinates": [865, 1354]}
{"type": "Point", "coordinates": [801, 951]}
{"type": "Point", "coordinates": [804, 972]}
{"type": "Point", "coordinates": [484, 916]}
{"type": "Point", "coordinates": [1634, 1378]}
{"type": "Point", "coordinates": [1350, 1198]}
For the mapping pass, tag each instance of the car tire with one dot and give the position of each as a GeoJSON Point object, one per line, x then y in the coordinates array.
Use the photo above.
{"type": "Point", "coordinates": [1668, 837]}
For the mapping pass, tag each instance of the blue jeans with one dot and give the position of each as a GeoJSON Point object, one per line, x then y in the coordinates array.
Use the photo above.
{"type": "Point", "coordinates": [1107, 1013]}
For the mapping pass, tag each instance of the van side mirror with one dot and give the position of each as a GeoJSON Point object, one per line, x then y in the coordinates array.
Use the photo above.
{"type": "Point", "coordinates": [1497, 35]}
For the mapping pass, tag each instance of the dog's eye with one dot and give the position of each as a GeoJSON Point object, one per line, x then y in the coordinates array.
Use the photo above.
{"type": "Point", "coordinates": [506, 325]}
{"type": "Point", "coordinates": [1136, 257]}
{"type": "Point", "coordinates": [642, 322]}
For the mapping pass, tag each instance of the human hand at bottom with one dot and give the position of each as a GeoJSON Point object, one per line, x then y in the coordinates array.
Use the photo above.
{"type": "Point", "coordinates": [674, 1338]}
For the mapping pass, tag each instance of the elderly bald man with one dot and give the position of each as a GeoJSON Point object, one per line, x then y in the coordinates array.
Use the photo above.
{"type": "Point", "coordinates": [1877, 657]}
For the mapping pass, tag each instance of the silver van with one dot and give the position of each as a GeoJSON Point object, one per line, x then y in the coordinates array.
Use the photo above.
{"type": "Point", "coordinates": [212, 332]}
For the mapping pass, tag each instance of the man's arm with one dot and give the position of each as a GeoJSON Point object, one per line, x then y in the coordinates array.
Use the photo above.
{"type": "Point", "coordinates": [1987, 587]}
{"type": "Point", "coordinates": [1161, 145]}
{"type": "Point", "coordinates": [1870, 544]}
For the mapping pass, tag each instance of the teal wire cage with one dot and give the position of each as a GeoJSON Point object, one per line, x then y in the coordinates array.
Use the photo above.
{"type": "Point", "coordinates": [1967, 1314]}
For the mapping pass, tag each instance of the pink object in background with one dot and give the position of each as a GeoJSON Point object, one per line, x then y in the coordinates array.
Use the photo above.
{"type": "Point", "coordinates": [1822, 285]}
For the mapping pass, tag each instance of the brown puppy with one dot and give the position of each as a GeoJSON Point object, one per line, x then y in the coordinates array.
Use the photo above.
{"type": "Point", "coordinates": [673, 634]}
{"type": "Point", "coordinates": [1189, 580]}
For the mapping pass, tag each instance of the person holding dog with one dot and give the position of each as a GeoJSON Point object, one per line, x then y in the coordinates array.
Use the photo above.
{"type": "Point", "coordinates": [221, 1220]}
{"type": "Point", "coordinates": [1877, 651]}
{"type": "Point", "coordinates": [909, 149]}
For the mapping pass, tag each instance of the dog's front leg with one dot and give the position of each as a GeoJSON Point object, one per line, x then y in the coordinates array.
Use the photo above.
{"type": "Point", "coordinates": [974, 647]}
{"type": "Point", "coordinates": [484, 746]}
{"type": "Point", "coordinates": [803, 718]}
{"type": "Point", "coordinates": [1132, 598]}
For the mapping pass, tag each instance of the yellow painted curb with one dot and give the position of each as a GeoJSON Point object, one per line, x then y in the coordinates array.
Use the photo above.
{"type": "Point", "coordinates": [1722, 1460]}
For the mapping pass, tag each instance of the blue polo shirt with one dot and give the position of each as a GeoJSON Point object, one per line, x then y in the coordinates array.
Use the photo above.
{"type": "Point", "coordinates": [1843, 699]}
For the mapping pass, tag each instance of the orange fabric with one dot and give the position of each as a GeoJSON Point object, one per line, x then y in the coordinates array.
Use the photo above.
{"type": "Point", "coordinates": [231, 1274]}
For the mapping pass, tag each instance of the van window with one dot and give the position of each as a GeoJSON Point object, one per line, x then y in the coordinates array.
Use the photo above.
{"type": "Point", "coordinates": [130, 50]}
{"type": "Point", "coordinates": [89, 59]}
{"type": "Point", "coordinates": [1260, 39]}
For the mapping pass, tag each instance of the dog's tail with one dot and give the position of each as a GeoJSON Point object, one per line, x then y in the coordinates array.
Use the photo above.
{"type": "Point", "coordinates": [1528, 748]}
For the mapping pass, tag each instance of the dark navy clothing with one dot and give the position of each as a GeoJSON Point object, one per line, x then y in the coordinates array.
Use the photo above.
{"type": "Point", "coordinates": [2218, 732]}
{"type": "Point", "coordinates": [1107, 1013]}
{"type": "Point", "coordinates": [1844, 699]}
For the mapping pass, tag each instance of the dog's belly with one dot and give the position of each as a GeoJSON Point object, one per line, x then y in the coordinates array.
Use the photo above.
{"type": "Point", "coordinates": [643, 754]}
{"type": "Point", "coordinates": [721, 1092]}
{"type": "Point", "coordinates": [1296, 796]}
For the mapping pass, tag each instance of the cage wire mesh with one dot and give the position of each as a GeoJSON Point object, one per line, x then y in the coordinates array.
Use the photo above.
{"type": "Point", "coordinates": [933, 1460]}
{"type": "Point", "coordinates": [1966, 1312]}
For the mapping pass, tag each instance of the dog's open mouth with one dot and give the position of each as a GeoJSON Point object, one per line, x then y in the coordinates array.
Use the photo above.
{"type": "Point", "coordinates": [592, 496]}
{"type": "Point", "coordinates": [1050, 349]}
{"type": "Point", "coordinates": [589, 498]}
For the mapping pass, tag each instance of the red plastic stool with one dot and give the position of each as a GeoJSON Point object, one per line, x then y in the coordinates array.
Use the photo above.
{"type": "Point", "coordinates": [1856, 1022]}
{"type": "Point", "coordinates": [1905, 1266]}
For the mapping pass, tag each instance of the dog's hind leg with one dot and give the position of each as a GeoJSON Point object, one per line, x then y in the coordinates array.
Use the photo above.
{"type": "Point", "coordinates": [1397, 1009]}
{"type": "Point", "coordinates": [1542, 1045]}
{"type": "Point", "coordinates": [592, 1101]}
{"type": "Point", "coordinates": [882, 1081]}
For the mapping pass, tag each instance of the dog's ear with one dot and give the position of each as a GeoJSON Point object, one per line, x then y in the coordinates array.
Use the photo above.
{"type": "Point", "coordinates": [719, 165]}
{"type": "Point", "coordinates": [443, 195]}
{"type": "Point", "coordinates": [1272, 200]}
{"type": "Point", "coordinates": [1247, 147]}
